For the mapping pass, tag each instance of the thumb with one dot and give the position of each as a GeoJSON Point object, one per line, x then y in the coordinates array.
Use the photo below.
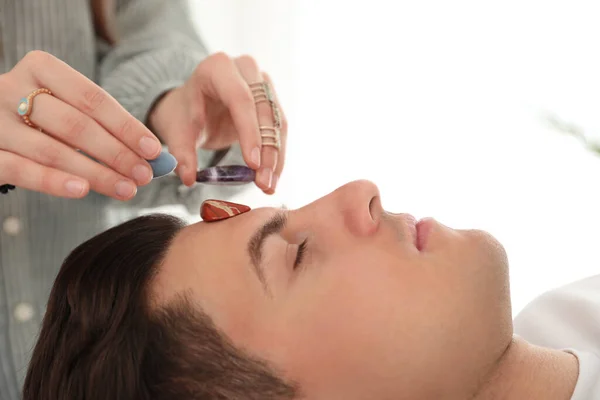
{"type": "Point", "coordinates": [182, 145]}
{"type": "Point", "coordinates": [180, 132]}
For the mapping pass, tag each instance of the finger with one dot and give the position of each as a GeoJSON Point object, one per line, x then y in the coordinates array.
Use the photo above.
{"type": "Point", "coordinates": [251, 74]}
{"type": "Point", "coordinates": [284, 134]}
{"type": "Point", "coordinates": [77, 130]}
{"type": "Point", "coordinates": [27, 174]}
{"type": "Point", "coordinates": [218, 77]}
{"type": "Point", "coordinates": [80, 92]}
{"type": "Point", "coordinates": [182, 144]}
{"type": "Point", "coordinates": [49, 152]}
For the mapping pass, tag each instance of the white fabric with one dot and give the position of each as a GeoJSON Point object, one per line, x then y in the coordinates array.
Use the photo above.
{"type": "Point", "coordinates": [568, 319]}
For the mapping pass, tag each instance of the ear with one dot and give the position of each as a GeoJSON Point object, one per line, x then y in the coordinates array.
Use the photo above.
{"type": "Point", "coordinates": [216, 210]}
{"type": "Point", "coordinates": [105, 19]}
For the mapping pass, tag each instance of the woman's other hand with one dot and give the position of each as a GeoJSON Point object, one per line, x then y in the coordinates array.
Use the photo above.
{"type": "Point", "coordinates": [216, 108]}
{"type": "Point", "coordinates": [79, 115]}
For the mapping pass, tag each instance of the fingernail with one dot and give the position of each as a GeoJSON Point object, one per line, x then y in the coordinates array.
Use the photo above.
{"type": "Point", "coordinates": [266, 177]}
{"type": "Point", "coordinates": [149, 146]}
{"type": "Point", "coordinates": [255, 156]}
{"type": "Point", "coordinates": [142, 174]}
{"type": "Point", "coordinates": [76, 188]}
{"type": "Point", "coordinates": [125, 189]}
{"type": "Point", "coordinates": [274, 182]}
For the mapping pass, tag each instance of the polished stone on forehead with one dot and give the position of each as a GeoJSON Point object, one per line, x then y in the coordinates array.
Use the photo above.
{"type": "Point", "coordinates": [226, 175]}
{"type": "Point", "coordinates": [216, 210]}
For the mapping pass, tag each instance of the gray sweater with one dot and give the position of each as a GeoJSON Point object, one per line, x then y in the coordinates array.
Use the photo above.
{"type": "Point", "coordinates": [157, 50]}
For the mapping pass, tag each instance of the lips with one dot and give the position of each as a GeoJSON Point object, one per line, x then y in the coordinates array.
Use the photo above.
{"type": "Point", "coordinates": [417, 231]}
{"type": "Point", "coordinates": [423, 227]}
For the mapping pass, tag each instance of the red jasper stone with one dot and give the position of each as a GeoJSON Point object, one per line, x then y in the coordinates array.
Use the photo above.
{"type": "Point", "coordinates": [216, 210]}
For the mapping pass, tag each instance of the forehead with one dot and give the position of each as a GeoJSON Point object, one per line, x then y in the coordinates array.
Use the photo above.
{"type": "Point", "coordinates": [210, 258]}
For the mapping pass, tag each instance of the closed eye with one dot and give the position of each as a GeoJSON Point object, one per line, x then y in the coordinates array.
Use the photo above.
{"type": "Point", "coordinates": [300, 254]}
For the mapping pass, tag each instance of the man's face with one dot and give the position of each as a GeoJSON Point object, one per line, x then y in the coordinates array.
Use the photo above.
{"type": "Point", "coordinates": [371, 309]}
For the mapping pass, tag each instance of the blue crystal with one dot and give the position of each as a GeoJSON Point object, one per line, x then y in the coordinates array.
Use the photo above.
{"type": "Point", "coordinates": [163, 165]}
{"type": "Point", "coordinates": [226, 175]}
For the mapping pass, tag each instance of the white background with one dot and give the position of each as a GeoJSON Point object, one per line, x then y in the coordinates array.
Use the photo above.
{"type": "Point", "coordinates": [442, 104]}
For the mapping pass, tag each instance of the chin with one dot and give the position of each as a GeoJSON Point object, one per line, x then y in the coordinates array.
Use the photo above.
{"type": "Point", "coordinates": [489, 245]}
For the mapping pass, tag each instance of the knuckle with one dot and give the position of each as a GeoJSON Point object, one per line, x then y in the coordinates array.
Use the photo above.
{"type": "Point", "coordinates": [126, 128]}
{"type": "Point", "coordinates": [46, 178]}
{"type": "Point", "coordinates": [220, 58]}
{"type": "Point", "coordinates": [119, 159]}
{"type": "Point", "coordinates": [100, 178]}
{"type": "Point", "coordinates": [248, 62]}
{"type": "Point", "coordinates": [74, 126]}
{"type": "Point", "coordinates": [37, 57]}
{"type": "Point", "coordinates": [92, 99]}
{"type": "Point", "coordinates": [97, 180]}
{"type": "Point", "coordinates": [48, 155]}
{"type": "Point", "coordinates": [215, 63]}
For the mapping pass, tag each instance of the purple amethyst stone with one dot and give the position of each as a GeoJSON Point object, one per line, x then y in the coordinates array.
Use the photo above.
{"type": "Point", "coordinates": [226, 175]}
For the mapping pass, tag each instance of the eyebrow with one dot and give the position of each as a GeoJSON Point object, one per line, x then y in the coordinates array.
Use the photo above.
{"type": "Point", "coordinates": [272, 226]}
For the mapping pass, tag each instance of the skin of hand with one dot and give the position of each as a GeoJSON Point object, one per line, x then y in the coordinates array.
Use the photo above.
{"type": "Point", "coordinates": [214, 109]}
{"type": "Point", "coordinates": [78, 119]}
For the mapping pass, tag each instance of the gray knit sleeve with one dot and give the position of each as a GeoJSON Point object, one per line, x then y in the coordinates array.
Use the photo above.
{"type": "Point", "coordinates": [158, 49]}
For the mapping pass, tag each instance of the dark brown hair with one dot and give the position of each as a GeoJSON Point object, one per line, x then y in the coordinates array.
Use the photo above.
{"type": "Point", "coordinates": [102, 338]}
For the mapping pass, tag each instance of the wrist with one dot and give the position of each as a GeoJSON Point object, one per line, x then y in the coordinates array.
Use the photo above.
{"type": "Point", "coordinates": [159, 112]}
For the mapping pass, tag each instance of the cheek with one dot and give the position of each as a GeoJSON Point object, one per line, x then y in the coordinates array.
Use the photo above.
{"type": "Point", "coordinates": [393, 318]}
{"type": "Point", "coordinates": [466, 316]}
{"type": "Point", "coordinates": [477, 274]}
{"type": "Point", "coordinates": [348, 316]}
{"type": "Point", "coordinates": [490, 303]}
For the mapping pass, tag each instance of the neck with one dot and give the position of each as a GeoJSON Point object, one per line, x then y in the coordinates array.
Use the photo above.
{"type": "Point", "coordinates": [531, 372]}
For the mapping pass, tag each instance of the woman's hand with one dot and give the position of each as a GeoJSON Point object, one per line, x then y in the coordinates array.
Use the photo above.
{"type": "Point", "coordinates": [214, 109]}
{"type": "Point", "coordinates": [79, 115]}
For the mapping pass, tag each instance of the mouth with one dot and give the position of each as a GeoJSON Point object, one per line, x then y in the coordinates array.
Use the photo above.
{"type": "Point", "coordinates": [416, 231]}
{"type": "Point", "coordinates": [424, 228]}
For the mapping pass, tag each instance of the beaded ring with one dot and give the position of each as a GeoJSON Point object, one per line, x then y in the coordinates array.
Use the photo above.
{"type": "Point", "coordinates": [262, 92]}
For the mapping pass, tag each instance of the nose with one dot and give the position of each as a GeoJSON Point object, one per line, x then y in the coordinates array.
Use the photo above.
{"type": "Point", "coordinates": [359, 205]}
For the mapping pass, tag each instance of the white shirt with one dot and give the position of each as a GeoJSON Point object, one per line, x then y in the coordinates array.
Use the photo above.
{"type": "Point", "coordinates": [568, 319]}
